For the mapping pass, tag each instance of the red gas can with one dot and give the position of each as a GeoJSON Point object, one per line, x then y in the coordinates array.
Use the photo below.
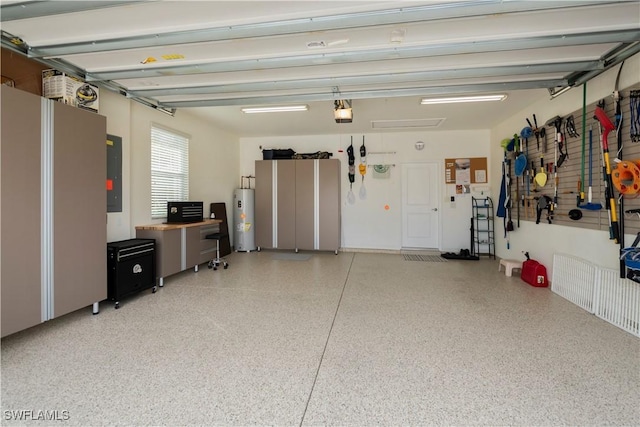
{"type": "Point", "coordinates": [534, 273]}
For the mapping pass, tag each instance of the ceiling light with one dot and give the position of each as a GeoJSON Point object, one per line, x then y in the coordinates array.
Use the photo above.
{"type": "Point", "coordinates": [280, 109]}
{"type": "Point", "coordinates": [342, 111]}
{"type": "Point", "coordinates": [474, 98]}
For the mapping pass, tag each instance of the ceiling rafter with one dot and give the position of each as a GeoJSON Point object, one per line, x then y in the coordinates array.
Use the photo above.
{"type": "Point", "coordinates": [330, 95]}
{"type": "Point", "coordinates": [380, 54]}
{"type": "Point", "coordinates": [413, 77]}
{"type": "Point", "coordinates": [39, 8]}
{"type": "Point", "coordinates": [451, 47]}
{"type": "Point", "coordinates": [400, 15]}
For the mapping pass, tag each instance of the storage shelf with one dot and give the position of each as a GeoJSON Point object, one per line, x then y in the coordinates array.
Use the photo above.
{"type": "Point", "coordinates": [482, 227]}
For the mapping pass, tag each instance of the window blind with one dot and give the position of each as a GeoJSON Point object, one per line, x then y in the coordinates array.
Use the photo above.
{"type": "Point", "coordinates": [169, 169]}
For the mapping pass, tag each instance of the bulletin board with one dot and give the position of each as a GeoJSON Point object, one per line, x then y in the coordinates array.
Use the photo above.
{"type": "Point", "coordinates": [466, 170]}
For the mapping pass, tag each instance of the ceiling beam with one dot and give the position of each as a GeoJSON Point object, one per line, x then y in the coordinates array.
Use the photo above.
{"type": "Point", "coordinates": [399, 15]}
{"type": "Point", "coordinates": [386, 78]}
{"type": "Point", "coordinates": [610, 60]}
{"type": "Point", "coordinates": [40, 8]}
{"type": "Point", "coordinates": [393, 53]}
{"type": "Point", "coordinates": [330, 96]}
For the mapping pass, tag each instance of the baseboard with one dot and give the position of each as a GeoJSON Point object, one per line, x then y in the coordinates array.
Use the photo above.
{"type": "Point", "coordinates": [402, 251]}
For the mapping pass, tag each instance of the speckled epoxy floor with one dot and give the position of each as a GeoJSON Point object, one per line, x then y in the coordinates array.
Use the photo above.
{"type": "Point", "coordinates": [354, 339]}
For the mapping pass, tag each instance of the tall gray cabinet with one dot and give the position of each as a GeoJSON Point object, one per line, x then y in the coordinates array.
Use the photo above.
{"type": "Point", "coordinates": [53, 209]}
{"type": "Point", "coordinates": [297, 204]}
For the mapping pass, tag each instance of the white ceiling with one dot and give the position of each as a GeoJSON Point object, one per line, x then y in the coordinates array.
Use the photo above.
{"type": "Point", "coordinates": [213, 57]}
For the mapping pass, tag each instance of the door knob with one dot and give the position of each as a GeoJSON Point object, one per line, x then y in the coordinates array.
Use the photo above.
{"type": "Point", "coordinates": [434, 209]}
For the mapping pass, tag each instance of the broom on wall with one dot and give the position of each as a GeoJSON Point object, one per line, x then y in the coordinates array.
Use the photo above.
{"type": "Point", "coordinates": [589, 205]}
{"type": "Point", "coordinates": [608, 126]}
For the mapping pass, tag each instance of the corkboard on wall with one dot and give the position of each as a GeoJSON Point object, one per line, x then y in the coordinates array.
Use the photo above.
{"type": "Point", "coordinates": [464, 171]}
{"type": "Point", "coordinates": [25, 73]}
{"type": "Point", "coordinates": [570, 172]}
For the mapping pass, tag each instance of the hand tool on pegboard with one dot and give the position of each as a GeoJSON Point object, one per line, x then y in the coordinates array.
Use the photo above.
{"type": "Point", "coordinates": [617, 98]}
{"type": "Point", "coordinates": [556, 122]}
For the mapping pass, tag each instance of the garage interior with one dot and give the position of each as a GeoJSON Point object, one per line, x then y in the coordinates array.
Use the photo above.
{"type": "Point", "coordinates": [380, 333]}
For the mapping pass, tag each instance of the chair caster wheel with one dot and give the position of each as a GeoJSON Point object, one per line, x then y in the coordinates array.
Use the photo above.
{"type": "Point", "coordinates": [154, 290]}
{"type": "Point", "coordinates": [226, 266]}
{"type": "Point", "coordinates": [117, 305]}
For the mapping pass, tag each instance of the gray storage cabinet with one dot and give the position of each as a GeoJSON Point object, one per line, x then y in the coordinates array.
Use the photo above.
{"type": "Point", "coordinates": [54, 205]}
{"type": "Point", "coordinates": [180, 246]}
{"type": "Point", "coordinates": [297, 204]}
{"type": "Point", "coordinates": [20, 210]}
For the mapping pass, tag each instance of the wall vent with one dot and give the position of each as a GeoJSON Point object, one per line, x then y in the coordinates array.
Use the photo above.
{"type": "Point", "coordinates": [404, 124]}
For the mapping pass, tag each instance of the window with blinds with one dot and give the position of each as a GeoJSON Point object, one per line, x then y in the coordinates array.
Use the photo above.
{"type": "Point", "coordinates": [169, 169]}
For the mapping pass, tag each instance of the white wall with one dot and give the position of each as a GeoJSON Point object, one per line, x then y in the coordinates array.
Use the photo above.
{"type": "Point", "coordinates": [366, 224]}
{"type": "Point", "coordinates": [213, 161]}
{"type": "Point", "coordinates": [543, 240]}
{"type": "Point", "coordinates": [217, 162]}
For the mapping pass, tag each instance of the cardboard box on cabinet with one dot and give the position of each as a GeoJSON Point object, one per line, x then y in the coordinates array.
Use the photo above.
{"type": "Point", "coordinates": [69, 90]}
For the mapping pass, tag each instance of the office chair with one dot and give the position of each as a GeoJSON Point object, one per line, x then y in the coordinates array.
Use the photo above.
{"type": "Point", "coordinates": [214, 263]}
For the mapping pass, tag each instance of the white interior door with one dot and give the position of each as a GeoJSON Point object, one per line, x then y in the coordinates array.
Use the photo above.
{"type": "Point", "coordinates": [420, 216]}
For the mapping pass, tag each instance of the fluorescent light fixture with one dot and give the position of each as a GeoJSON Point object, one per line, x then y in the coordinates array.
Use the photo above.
{"type": "Point", "coordinates": [278, 109]}
{"type": "Point", "coordinates": [454, 99]}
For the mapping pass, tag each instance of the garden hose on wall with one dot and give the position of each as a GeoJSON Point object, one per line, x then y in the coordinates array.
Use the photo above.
{"type": "Point", "coordinates": [626, 177]}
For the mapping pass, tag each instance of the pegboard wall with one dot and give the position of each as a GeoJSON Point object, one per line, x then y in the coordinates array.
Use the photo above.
{"type": "Point", "coordinates": [568, 176]}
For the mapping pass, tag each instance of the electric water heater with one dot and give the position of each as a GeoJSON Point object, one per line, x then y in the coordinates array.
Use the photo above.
{"type": "Point", "coordinates": [243, 220]}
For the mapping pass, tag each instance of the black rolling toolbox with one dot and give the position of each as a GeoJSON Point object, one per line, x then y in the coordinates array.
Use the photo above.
{"type": "Point", "coordinates": [131, 267]}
